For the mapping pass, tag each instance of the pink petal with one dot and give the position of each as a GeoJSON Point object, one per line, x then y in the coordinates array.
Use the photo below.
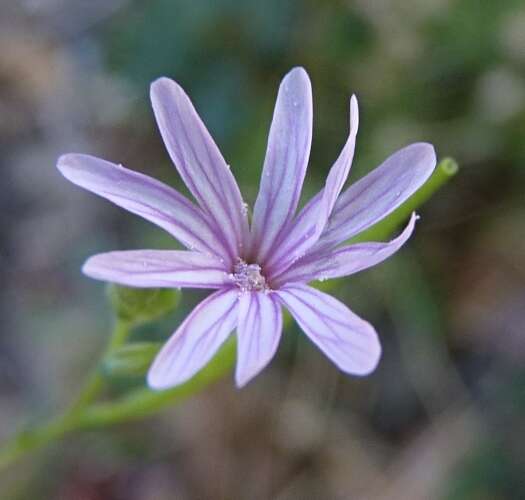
{"type": "Point", "coordinates": [143, 196]}
{"type": "Point", "coordinates": [200, 162]}
{"type": "Point", "coordinates": [350, 342]}
{"type": "Point", "coordinates": [379, 193]}
{"type": "Point", "coordinates": [285, 164]}
{"type": "Point", "coordinates": [350, 259]}
{"type": "Point", "coordinates": [158, 268]}
{"type": "Point", "coordinates": [258, 334]}
{"type": "Point", "coordinates": [195, 342]}
{"type": "Point", "coordinates": [306, 229]}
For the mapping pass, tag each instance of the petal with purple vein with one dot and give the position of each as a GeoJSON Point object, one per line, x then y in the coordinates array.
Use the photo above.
{"type": "Point", "coordinates": [285, 163]}
{"type": "Point", "coordinates": [144, 196]}
{"type": "Point", "coordinates": [306, 229]}
{"type": "Point", "coordinates": [349, 341]}
{"type": "Point", "coordinates": [379, 193]}
{"type": "Point", "coordinates": [158, 268]}
{"type": "Point", "coordinates": [258, 334]}
{"type": "Point", "coordinates": [339, 262]}
{"type": "Point", "coordinates": [195, 342]}
{"type": "Point", "coordinates": [199, 162]}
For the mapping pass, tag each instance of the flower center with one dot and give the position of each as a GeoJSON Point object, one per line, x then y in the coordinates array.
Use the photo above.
{"type": "Point", "coordinates": [248, 277]}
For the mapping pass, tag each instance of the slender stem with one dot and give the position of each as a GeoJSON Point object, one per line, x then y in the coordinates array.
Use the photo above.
{"type": "Point", "coordinates": [31, 439]}
{"type": "Point", "coordinates": [119, 336]}
{"type": "Point", "coordinates": [95, 382]}
{"type": "Point", "coordinates": [143, 402]}
{"type": "Point", "coordinates": [445, 170]}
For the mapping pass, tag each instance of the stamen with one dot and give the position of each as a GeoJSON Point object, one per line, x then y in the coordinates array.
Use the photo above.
{"type": "Point", "coordinates": [248, 277]}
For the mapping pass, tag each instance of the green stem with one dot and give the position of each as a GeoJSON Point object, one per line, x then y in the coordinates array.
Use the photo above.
{"type": "Point", "coordinates": [31, 439]}
{"type": "Point", "coordinates": [445, 170]}
{"type": "Point", "coordinates": [95, 381]}
{"type": "Point", "coordinates": [143, 402]}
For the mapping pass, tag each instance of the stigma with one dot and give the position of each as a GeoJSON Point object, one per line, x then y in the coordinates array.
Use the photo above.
{"type": "Point", "coordinates": [248, 277]}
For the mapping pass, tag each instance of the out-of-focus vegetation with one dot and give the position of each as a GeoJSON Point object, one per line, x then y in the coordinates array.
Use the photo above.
{"type": "Point", "coordinates": [443, 416]}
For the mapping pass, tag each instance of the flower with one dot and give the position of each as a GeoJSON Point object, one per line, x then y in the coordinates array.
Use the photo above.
{"type": "Point", "coordinates": [257, 269]}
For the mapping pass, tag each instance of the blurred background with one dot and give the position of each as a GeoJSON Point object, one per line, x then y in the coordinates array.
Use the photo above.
{"type": "Point", "coordinates": [443, 417]}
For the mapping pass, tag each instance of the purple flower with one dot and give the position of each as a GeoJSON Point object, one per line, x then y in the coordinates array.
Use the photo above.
{"type": "Point", "coordinates": [257, 269]}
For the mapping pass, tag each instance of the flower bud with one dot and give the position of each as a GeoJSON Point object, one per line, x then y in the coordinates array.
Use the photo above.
{"type": "Point", "coordinates": [139, 305]}
{"type": "Point", "coordinates": [131, 359]}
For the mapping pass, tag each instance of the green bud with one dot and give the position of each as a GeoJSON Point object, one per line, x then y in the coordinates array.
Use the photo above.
{"type": "Point", "coordinates": [131, 359]}
{"type": "Point", "coordinates": [142, 305]}
{"type": "Point", "coordinates": [448, 165]}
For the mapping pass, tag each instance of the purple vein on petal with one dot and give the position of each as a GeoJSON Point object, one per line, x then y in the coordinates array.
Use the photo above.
{"type": "Point", "coordinates": [258, 333]}
{"type": "Point", "coordinates": [144, 196]}
{"type": "Point", "coordinates": [377, 194]}
{"type": "Point", "coordinates": [343, 261]}
{"type": "Point", "coordinates": [197, 339]}
{"type": "Point", "coordinates": [199, 161]}
{"type": "Point", "coordinates": [350, 342]}
{"type": "Point", "coordinates": [158, 268]}
{"type": "Point", "coordinates": [308, 226]}
{"type": "Point", "coordinates": [285, 164]}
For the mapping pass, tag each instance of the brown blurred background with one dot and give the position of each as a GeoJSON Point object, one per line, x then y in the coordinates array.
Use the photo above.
{"type": "Point", "coordinates": [443, 417]}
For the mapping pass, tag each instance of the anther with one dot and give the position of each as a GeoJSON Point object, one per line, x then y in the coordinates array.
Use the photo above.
{"type": "Point", "coordinates": [248, 277]}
